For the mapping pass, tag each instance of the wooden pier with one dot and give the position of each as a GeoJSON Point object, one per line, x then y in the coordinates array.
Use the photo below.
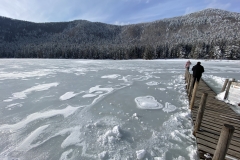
{"type": "Point", "coordinates": [217, 119]}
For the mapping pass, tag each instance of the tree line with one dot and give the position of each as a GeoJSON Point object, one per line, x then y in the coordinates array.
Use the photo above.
{"type": "Point", "coordinates": [207, 34]}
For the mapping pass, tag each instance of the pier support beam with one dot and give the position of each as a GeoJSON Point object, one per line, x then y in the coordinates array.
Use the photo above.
{"type": "Point", "coordinates": [190, 85]}
{"type": "Point", "coordinates": [200, 113]}
{"type": "Point", "coordinates": [194, 94]}
{"type": "Point", "coordinates": [223, 142]}
{"type": "Point", "coordinates": [228, 87]}
{"type": "Point", "coordinates": [224, 85]}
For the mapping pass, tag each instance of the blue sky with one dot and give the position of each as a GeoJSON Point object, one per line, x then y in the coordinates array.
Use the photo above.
{"type": "Point", "coordinates": [118, 12]}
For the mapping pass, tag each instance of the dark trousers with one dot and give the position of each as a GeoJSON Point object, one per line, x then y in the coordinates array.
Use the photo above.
{"type": "Point", "coordinates": [196, 78]}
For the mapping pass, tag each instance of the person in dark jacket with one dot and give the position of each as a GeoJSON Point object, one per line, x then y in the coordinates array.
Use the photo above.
{"type": "Point", "coordinates": [198, 69]}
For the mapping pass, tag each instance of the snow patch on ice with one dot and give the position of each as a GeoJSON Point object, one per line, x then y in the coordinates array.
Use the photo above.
{"type": "Point", "coordinates": [89, 95]}
{"type": "Point", "coordinates": [140, 154]}
{"type": "Point", "coordinates": [23, 75]}
{"type": "Point", "coordinates": [221, 95]}
{"type": "Point", "coordinates": [40, 87]}
{"type": "Point", "coordinates": [69, 110]}
{"type": "Point", "coordinates": [11, 106]}
{"type": "Point", "coordinates": [235, 106]}
{"type": "Point", "coordinates": [66, 154]}
{"type": "Point", "coordinates": [26, 144]}
{"type": "Point", "coordinates": [152, 83]}
{"type": "Point", "coordinates": [192, 152]}
{"type": "Point", "coordinates": [113, 76]}
{"type": "Point", "coordinates": [169, 107]}
{"type": "Point", "coordinates": [97, 89]}
{"type": "Point", "coordinates": [68, 95]}
{"type": "Point", "coordinates": [111, 136]}
{"type": "Point", "coordinates": [72, 139]}
{"type": "Point", "coordinates": [148, 102]}
{"type": "Point", "coordinates": [103, 155]}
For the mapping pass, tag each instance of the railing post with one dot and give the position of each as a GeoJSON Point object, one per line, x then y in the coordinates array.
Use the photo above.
{"type": "Point", "coordinates": [228, 87]}
{"type": "Point", "coordinates": [188, 80]}
{"type": "Point", "coordinates": [190, 85]}
{"type": "Point", "coordinates": [224, 85]}
{"type": "Point", "coordinates": [194, 94]}
{"type": "Point", "coordinates": [200, 113]}
{"type": "Point", "coordinates": [223, 142]}
{"type": "Point", "coordinates": [186, 71]}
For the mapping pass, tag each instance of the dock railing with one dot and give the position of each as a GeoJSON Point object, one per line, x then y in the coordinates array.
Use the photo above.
{"type": "Point", "coordinates": [227, 130]}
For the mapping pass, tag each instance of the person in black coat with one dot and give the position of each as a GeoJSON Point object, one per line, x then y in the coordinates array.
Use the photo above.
{"type": "Point", "coordinates": [198, 69]}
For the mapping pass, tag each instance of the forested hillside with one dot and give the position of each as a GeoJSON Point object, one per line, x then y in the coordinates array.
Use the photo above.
{"type": "Point", "coordinates": [210, 33]}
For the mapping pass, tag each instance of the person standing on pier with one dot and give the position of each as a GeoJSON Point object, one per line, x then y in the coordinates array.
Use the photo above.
{"type": "Point", "coordinates": [198, 69]}
{"type": "Point", "coordinates": [187, 65]}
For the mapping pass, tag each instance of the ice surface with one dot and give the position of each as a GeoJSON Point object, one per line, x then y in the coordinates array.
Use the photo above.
{"type": "Point", "coordinates": [104, 122]}
{"type": "Point", "coordinates": [148, 102]}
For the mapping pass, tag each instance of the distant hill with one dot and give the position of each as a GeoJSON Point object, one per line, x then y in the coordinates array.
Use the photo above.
{"type": "Point", "coordinates": [211, 33]}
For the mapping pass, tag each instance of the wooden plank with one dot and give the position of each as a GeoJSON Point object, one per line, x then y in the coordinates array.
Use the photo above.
{"type": "Point", "coordinates": [215, 137]}
{"type": "Point", "coordinates": [215, 115]}
{"type": "Point", "coordinates": [219, 119]}
{"type": "Point", "coordinates": [234, 145]}
{"type": "Point", "coordinates": [219, 125]}
{"type": "Point", "coordinates": [220, 113]}
{"type": "Point", "coordinates": [217, 128]}
{"type": "Point", "coordinates": [230, 152]}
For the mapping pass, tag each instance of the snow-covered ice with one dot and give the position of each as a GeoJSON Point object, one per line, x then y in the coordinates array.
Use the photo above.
{"type": "Point", "coordinates": [68, 95]}
{"type": "Point", "coordinates": [113, 76]}
{"type": "Point", "coordinates": [100, 109]}
{"type": "Point", "coordinates": [148, 102]}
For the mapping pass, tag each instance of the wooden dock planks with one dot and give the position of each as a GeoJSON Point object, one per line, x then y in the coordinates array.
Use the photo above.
{"type": "Point", "coordinates": [216, 114]}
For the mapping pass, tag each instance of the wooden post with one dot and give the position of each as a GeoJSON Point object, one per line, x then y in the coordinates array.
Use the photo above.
{"type": "Point", "coordinates": [187, 75]}
{"type": "Point", "coordinates": [186, 71]}
{"type": "Point", "coordinates": [194, 94]}
{"type": "Point", "coordinates": [190, 85]}
{"type": "Point", "coordinates": [228, 87]}
{"type": "Point", "coordinates": [188, 81]}
{"type": "Point", "coordinates": [200, 113]}
{"type": "Point", "coordinates": [223, 142]}
{"type": "Point", "coordinates": [224, 86]}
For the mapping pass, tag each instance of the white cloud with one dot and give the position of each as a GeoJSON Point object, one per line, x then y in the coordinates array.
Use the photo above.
{"type": "Point", "coordinates": [190, 10]}
{"type": "Point", "coordinates": [120, 12]}
{"type": "Point", "coordinates": [218, 4]}
{"type": "Point", "coordinates": [121, 23]}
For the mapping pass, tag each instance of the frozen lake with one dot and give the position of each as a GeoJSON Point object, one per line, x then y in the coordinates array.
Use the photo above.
{"type": "Point", "coordinates": [99, 109]}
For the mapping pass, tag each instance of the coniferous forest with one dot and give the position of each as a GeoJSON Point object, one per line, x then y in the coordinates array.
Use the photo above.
{"type": "Point", "coordinates": [208, 34]}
